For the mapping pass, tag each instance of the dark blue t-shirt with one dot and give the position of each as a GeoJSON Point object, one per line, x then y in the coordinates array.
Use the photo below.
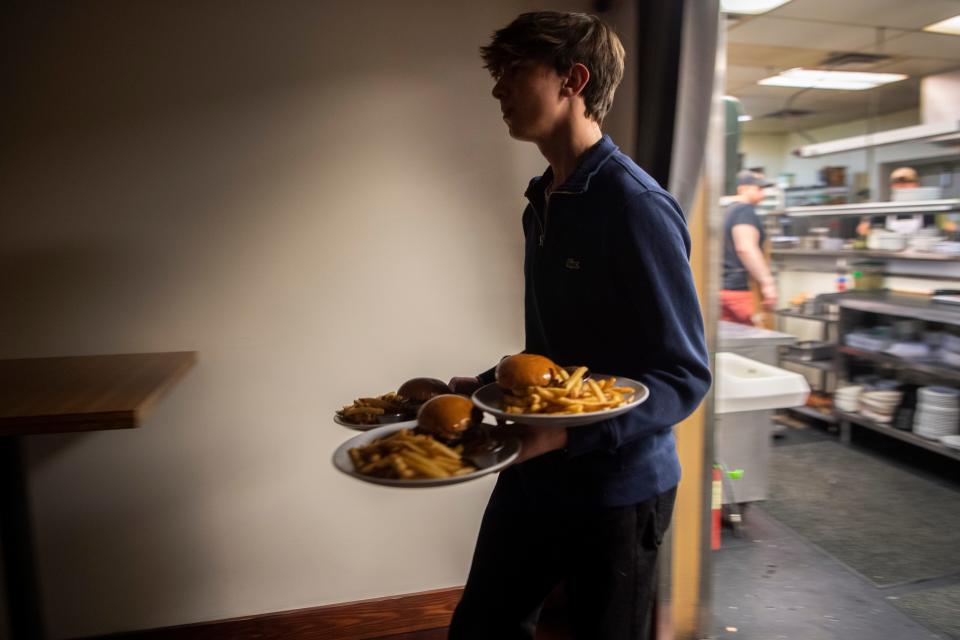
{"type": "Point", "coordinates": [734, 273]}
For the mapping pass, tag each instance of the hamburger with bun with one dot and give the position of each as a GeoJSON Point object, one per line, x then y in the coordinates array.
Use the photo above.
{"type": "Point", "coordinates": [517, 373]}
{"type": "Point", "coordinates": [416, 391]}
{"type": "Point", "coordinates": [448, 417]}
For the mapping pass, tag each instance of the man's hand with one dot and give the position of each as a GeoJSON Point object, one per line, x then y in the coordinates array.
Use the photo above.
{"type": "Point", "coordinates": [769, 293]}
{"type": "Point", "coordinates": [465, 386]}
{"type": "Point", "coordinates": [536, 441]}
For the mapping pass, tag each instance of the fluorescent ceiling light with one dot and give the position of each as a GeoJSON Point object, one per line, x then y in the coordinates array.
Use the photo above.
{"type": "Point", "coordinates": [950, 26]}
{"type": "Point", "coordinates": [750, 6]}
{"type": "Point", "coordinates": [822, 79]}
{"type": "Point", "coordinates": [744, 118]}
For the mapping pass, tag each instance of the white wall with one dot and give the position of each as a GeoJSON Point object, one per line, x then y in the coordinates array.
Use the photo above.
{"type": "Point", "coordinates": [775, 151]}
{"type": "Point", "coordinates": [322, 200]}
{"type": "Point", "coordinates": [767, 150]}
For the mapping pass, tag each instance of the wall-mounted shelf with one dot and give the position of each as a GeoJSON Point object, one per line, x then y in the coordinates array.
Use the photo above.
{"type": "Point", "coordinates": [875, 208]}
{"type": "Point", "coordinates": [820, 365]}
{"type": "Point", "coordinates": [866, 253]}
{"type": "Point", "coordinates": [816, 317]}
{"type": "Point", "coordinates": [906, 436]}
{"type": "Point", "coordinates": [920, 308]}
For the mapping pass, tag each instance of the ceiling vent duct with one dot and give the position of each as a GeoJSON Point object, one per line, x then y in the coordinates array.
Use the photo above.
{"type": "Point", "coordinates": [939, 115]}
{"type": "Point", "coordinates": [789, 113]}
{"type": "Point", "coordinates": [852, 59]}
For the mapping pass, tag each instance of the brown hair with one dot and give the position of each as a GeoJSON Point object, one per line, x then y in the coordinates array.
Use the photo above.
{"type": "Point", "coordinates": [562, 40]}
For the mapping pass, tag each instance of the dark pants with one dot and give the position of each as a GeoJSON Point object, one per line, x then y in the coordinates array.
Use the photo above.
{"type": "Point", "coordinates": [605, 558]}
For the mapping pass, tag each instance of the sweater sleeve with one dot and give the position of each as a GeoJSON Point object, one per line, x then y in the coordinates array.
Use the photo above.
{"type": "Point", "coordinates": [651, 248]}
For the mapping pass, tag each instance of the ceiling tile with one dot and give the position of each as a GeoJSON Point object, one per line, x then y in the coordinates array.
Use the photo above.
{"type": "Point", "coordinates": [884, 13]}
{"type": "Point", "coordinates": [740, 76]}
{"type": "Point", "coordinates": [802, 34]}
{"type": "Point", "coordinates": [924, 45]}
{"type": "Point", "coordinates": [917, 67]}
{"type": "Point", "coordinates": [755, 55]}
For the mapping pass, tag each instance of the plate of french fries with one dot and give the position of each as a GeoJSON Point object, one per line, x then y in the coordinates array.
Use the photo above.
{"type": "Point", "coordinates": [571, 400]}
{"type": "Point", "coordinates": [395, 455]}
{"type": "Point", "coordinates": [369, 413]}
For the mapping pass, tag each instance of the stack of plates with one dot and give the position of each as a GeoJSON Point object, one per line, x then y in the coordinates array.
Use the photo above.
{"type": "Point", "coordinates": [938, 412]}
{"type": "Point", "coordinates": [880, 405]}
{"type": "Point", "coordinates": [866, 340]}
{"type": "Point", "coordinates": [909, 350]}
{"type": "Point", "coordinates": [846, 398]}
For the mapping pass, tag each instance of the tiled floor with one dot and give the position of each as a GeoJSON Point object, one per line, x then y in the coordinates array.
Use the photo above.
{"type": "Point", "coordinates": [772, 584]}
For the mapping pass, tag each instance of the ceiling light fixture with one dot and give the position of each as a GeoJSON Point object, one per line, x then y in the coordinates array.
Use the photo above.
{"type": "Point", "coordinates": [950, 26]}
{"type": "Point", "coordinates": [838, 80]}
{"type": "Point", "coordinates": [750, 6]}
{"type": "Point", "coordinates": [744, 118]}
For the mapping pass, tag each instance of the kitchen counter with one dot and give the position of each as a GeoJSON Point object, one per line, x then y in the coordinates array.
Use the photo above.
{"type": "Point", "coordinates": [751, 342]}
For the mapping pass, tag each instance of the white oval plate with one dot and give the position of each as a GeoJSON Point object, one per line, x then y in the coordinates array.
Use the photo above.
{"type": "Point", "coordinates": [368, 427]}
{"type": "Point", "coordinates": [489, 398]}
{"type": "Point", "coordinates": [342, 461]}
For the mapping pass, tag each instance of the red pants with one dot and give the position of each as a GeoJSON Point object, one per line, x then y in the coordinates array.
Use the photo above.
{"type": "Point", "coordinates": [737, 306]}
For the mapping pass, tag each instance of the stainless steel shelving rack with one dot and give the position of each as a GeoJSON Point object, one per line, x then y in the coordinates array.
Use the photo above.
{"type": "Point", "coordinates": [906, 264]}
{"type": "Point", "coordinates": [855, 308]}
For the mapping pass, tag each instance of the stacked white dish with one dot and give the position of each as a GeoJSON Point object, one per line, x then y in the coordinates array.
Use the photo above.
{"type": "Point", "coordinates": [880, 405]}
{"type": "Point", "coordinates": [923, 243]}
{"type": "Point", "coordinates": [847, 398]}
{"type": "Point", "coordinates": [909, 350]}
{"type": "Point", "coordinates": [938, 412]}
{"type": "Point", "coordinates": [867, 340]}
{"type": "Point", "coordinates": [949, 247]}
{"type": "Point", "coordinates": [883, 240]}
{"type": "Point", "coordinates": [950, 350]}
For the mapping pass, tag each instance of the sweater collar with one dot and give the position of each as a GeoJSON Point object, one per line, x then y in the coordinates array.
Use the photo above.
{"type": "Point", "coordinates": [579, 181]}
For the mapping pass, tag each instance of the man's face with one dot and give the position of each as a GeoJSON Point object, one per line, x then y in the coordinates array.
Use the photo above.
{"type": "Point", "coordinates": [529, 95]}
{"type": "Point", "coordinates": [904, 185]}
{"type": "Point", "coordinates": [750, 193]}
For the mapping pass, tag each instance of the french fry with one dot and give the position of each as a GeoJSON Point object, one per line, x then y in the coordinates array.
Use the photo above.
{"type": "Point", "coordinates": [425, 466]}
{"type": "Point", "coordinates": [366, 410]}
{"type": "Point", "coordinates": [410, 456]}
{"type": "Point", "coordinates": [570, 393]}
{"type": "Point", "coordinates": [464, 471]}
{"type": "Point", "coordinates": [441, 449]}
{"type": "Point", "coordinates": [349, 411]}
{"type": "Point", "coordinates": [547, 394]}
{"type": "Point", "coordinates": [597, 390]}
{"type": "Point", "coordinates": [574, 377]}
{"type": "Point", "coordinates": [577, 390]}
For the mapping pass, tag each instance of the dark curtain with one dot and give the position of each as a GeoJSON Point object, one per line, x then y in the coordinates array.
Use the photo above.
{"type": "Point", "coordinates": [659, 31]}
{"type": "Point", "coordinates": [676, 57]}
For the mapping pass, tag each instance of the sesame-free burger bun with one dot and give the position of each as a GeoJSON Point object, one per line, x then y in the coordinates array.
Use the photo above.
{"type": "Point", "coordinates": [518, 372]}
{"type": "Point", "coordinates": [419, 390]}
{"type": "Point", "coordinates": [447, 417]}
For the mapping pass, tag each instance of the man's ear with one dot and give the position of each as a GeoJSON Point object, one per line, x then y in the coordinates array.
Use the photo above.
{"type": "Point", "coordinates": [575, 80]}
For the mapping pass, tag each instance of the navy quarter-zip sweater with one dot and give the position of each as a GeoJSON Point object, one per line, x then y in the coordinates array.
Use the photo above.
{"type": "Point", "coordinates": [608, 286]}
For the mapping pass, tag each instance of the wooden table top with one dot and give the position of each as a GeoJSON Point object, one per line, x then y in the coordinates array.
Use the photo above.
{"type": "Point", "coordinates": [85, 393]}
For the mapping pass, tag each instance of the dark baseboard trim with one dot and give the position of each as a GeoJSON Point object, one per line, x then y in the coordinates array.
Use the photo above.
{"type": "Point", "coordinates": [360, 620]}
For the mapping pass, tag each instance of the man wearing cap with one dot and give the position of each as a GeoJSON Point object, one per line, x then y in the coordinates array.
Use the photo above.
{"type": "Point", "coordinates": [904, 178]}
{"type": "Point", "coordinates": [900, 178]}
{"type": "Point", "coordinates": [742, 253]}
